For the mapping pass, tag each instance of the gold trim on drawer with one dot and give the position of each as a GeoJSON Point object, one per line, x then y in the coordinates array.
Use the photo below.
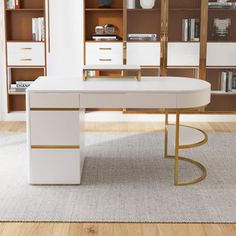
{"type": "Point", "coordinates": [54, 109]}
{"type": "Point", "coordinates": [54, 147]}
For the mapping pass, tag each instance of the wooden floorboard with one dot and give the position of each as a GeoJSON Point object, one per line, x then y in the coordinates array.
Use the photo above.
{"type": "Point", "coordinates": [81, 229]}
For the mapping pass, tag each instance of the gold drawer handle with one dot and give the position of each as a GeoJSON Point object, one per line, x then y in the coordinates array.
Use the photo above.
{"type": "Point", "coordinates": [27, 59]}
{"type": "Point", "coordinates": [105, 59]}
{"type": "Point", "coordinates": [26, 48]}
{"type": "Point", "coordinates": [105, 48]}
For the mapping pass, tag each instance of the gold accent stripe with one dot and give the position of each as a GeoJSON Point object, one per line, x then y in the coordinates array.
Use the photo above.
{"type": "Point", "coordinates": [54, 109]}
{"type": "Point", "coordinates": [54, 147]}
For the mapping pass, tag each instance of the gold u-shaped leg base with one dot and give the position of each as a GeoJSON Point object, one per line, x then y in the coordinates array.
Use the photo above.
{"type": "Point", "coordinates": [194, 181]}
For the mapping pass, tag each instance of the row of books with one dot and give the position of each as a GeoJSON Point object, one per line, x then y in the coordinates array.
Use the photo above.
{"type": "Point", "coordinates": [20, 86]}
{"type": "Point", "coordinates": [38, 29]}
{"type": "Point", "coordinates": [222, 5]}
{"type": "Point", "coordinates": [228, 81]}
{"type": "Point", "coordinates": [105, 37]}
{"type": "Point", "coordinates": [13, 4]}
{"type": "Point", "coordinates": [143, 37]}
{"type": "Point", "coordinates": [190, 29]}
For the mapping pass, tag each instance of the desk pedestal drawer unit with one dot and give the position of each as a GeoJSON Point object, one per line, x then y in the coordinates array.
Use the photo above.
{"type": "Point", "coordinates": [55, 120]}
{"type": "Point", "coordinates": [56, 126]}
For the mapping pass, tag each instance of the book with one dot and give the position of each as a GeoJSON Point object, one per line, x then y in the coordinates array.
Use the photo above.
{"type": "Point", "coordinates": [190, 29]}
{"type": "Point", "coordinates": [226, 81]}
{"type": "Point", "coordinates": [144, 37]}
{"type": "Point", "coordinates": [234, 83]}
{"type": "Point", "coordinates": [38, 29]}
{"type": "Point", "coordinates": [10, 4]}
{"type": "Point", "coordinates": [23, 84]}
{"type": "Point", "coordinates": [221, 4]}
{"type": "Point", "coordinates": [185, 30]}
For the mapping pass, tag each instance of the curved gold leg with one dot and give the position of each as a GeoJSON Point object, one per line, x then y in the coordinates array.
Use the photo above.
{"type": "Point", "coordinates": [176, 157]}
{"type": "Point", "coordinates": [194, 181]}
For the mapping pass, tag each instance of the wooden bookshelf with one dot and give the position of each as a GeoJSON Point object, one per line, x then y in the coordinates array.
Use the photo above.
{"type": "Point", "coordinates": [18, 30]}
{"type": "Point", "coordinates": [165, 19]}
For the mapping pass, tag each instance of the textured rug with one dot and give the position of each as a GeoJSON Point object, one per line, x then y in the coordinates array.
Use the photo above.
{"type": "Point", "coordinates": [125, 179]}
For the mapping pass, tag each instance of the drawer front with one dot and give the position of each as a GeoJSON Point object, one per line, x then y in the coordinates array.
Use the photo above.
{"type": "Point", "coordinates": [104, 53]}
{"type": "Point", "coordinates": [55, 166]}
{"type": "Point", "coordinates": [143, 54]}
{"type": "Point", "coordinates": [26, 54]}
{"type": "Point", "coordinates": [128, 101]}
{"type": "Point", "coordinates": [221, 54]}
{"type": "Point", "coordinates": [54, 100]}
{"type": "Point", "coordinates": [55, 128]}
{"type": "Point", "coordinates": [183, 54]}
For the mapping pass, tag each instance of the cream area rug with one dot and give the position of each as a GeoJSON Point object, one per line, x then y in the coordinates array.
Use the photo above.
{"type": "Point", "coordinates": [125, 179]}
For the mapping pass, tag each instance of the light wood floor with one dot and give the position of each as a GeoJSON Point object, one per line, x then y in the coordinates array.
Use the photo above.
{"type": "Point", "coordinates": [82, 229]}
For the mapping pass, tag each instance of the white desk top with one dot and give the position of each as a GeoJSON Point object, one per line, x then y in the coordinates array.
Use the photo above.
{"type": "Point", "coordinates": [171, 85]}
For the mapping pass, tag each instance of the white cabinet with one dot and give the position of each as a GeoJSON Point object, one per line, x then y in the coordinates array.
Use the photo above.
{"type": "Point", "coordinates": [104, 53]}
{"type": "Point", "coordinates": [183, 54]}
{"type": "Point", "coordinates": [25, 54]}
{"type": "Point", "coordinates": [64, 34]}
{"type": "Point", "coordinates": [143, 54]}
{"type": "Point", "coordinates": [221, 54]}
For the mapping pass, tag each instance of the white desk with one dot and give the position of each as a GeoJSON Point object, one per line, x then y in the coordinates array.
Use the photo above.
{"type": "Point", "coordinates": [55, 118]}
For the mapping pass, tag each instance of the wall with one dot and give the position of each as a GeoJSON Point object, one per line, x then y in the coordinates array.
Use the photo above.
{"type": "Point", "coordinates": [2, 63]}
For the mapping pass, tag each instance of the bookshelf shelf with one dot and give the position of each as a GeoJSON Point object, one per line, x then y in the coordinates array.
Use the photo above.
{"type": "Point", "coordinates": [216, 92]}
{"type": "Point", "coordinates": [13, 93]}
{"type": "Point", "coordinates": [24, 10]}
{"type": "Point", "coordinates": [104, 9]}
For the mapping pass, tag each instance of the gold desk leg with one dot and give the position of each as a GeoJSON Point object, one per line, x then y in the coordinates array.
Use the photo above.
{"type": "Point", "coordinates": [84, 75]}
{"type": "Point", "coordinates": [166, 133]}
{"type": "Point", "coordinates": [176, 177]}
{"type": "Point", "coordinates": [139, 75]}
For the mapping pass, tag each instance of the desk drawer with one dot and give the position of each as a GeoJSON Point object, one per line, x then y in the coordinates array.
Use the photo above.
{"type": "Point", "coordinates": [54, 100]}
{"type": "Point", "coordinates": [104, 53]}
{"type": "Point", "coordinates": [55, 166]}
{"type": "Point", "coordinates": [55, 128]}
{"type": "Point", "coordinates": [26, 54]}
{"type": "Point", "coordinates": [128, 101]}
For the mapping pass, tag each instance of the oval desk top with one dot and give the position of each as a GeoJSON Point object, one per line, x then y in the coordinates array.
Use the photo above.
{"type": "Point", "coordinates": [161, 92]}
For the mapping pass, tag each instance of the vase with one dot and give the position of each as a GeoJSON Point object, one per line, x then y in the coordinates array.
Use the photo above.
{"type": "Point", "coordinates": [105, 3]}
{"type": "Point", "coordinates": [147, 4]}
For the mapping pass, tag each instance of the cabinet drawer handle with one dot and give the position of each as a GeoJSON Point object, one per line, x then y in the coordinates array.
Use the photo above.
{"type": "Point", "coordinates": [105, 48]}
{"type": "Point", "coordinates": [105, 59]}
{"type": "Point", "coordinates": [26, 59]}
{"type": "Point", "coordinates": [26, 48]}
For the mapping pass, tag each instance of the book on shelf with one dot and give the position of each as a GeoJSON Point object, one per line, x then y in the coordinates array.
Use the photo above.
{"type": "Point", "coordinates": [143, 37]}
{"type": "Point", "coordinates": [227, 81]}
{"type": "Point", "coordinates": [190, 29]}
{"type": "Point", "coordinates": [13, 4]}
{"type": "Point", "coordinates": [38, 29]}
{"type": "Point", "coordinates": [20, 86]}
{"type": "Point", "coordinates": [105, 37]}
{"type": "Point", "coordinates": [221, 5]}
{"type": "Point", "coordinates": [221, 28]}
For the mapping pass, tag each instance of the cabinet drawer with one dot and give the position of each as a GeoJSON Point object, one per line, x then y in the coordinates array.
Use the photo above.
{"type": "Point", "coordinates": [55, 166]}
{"type": "Point", "coordinates": [54, 100]}
{"type": "Point", "coordinates": [221, 54]}
{"type": "Point", "coordinates": [183, 54]}
{"type": "Point", "coordinates": [143, 54]}
{"type": "Point", "coordinates": [26, 54]}
{"type": "Point", "coordinates": [104, 53]}
{"type": "Point", "coordinates": [55, 128]}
